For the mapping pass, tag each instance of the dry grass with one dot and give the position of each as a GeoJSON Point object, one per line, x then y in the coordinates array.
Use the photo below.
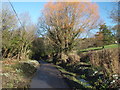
{"type": "Point", "coordinates": [107, 59]}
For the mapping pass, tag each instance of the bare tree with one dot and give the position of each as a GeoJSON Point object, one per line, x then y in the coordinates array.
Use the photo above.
{"type": "Point", "coordinates": [63, 23]}
{"type": "Point", "coordinates": [16, 40]}
{"type": "Point", "coordinates": [9, 24]}
{"type": "Point", "coordinates": [115, 16]}
{"type": "Point", "coordinates": [27, 35]}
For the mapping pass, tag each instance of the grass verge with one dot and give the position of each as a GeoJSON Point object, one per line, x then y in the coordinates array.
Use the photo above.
{"type": "Point", "coordinates": [18, 74]}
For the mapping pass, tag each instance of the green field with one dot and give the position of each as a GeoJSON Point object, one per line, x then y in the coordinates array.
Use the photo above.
{"type": "Point", "coordinates": [98, 48]}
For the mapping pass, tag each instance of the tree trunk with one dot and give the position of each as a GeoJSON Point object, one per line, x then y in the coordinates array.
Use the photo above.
{"type": "Point", "coordinates": [55, 58]}
{"type": "Point", "coordinates": [4, 54]}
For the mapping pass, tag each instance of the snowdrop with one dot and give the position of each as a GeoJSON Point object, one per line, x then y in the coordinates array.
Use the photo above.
{"type": "Point", "coordinates": [113, 81]}
{"type": "Point", "coordinates": [95, 72]}
{"type": "Point", "coordinates": [115, 76]}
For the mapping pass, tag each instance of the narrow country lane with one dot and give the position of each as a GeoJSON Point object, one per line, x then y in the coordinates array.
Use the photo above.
{"type": "Point", "coordinates": [47, 76]}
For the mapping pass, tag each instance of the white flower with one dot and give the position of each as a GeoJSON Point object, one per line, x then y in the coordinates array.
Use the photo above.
{"type": "Point", "coordinates": [115, 76]}
{"type": "Point", "coordinates": [96, 72]}
{"type": "Point", "coordinates": [113, 81]}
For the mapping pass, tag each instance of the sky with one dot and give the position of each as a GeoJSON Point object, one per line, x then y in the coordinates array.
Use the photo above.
{"type": "Point", "coordinates": [34, 10]}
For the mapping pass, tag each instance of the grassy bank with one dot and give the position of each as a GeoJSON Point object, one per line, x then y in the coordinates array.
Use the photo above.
{"type": "Point", "coordinates": [96, 69]}
{"type": "Point", "coordinates": [18, 74]}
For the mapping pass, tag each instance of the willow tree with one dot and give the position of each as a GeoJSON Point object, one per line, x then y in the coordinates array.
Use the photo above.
{"type": "Point", "coordinates": [63, 23]}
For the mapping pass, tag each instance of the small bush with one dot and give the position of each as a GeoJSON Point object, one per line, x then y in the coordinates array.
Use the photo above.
{"type": "Point", "coordinates": [73, 58]}
{"type": "Point", "coordinates": [64, 58]}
